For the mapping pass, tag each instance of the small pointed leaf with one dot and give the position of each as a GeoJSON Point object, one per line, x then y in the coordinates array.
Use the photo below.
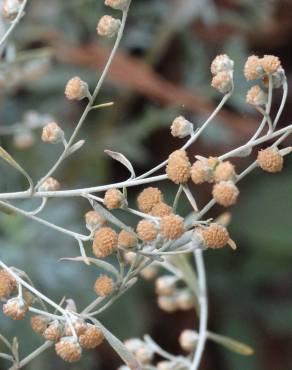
{"type": "Point", "coordinates": [122, 159]}
{"type": "Point", "coordinates": [231, 344]}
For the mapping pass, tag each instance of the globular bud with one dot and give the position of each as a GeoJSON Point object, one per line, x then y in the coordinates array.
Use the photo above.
{"type": "Point", "coordinates": [76, 89]}
{"type": "Point", "coordinates": [23, 139]}
{"type": "Point", "coordinates": [15, 308]}
{"type": "Point", "coordinates": [91, 338]}
{"type": "Point", "coordinates": [79, 326]}
{"type": "Point", "coordinates": [166, 285]}
{"type": "Point", "coordinates": [167, 303]}
{"type": "Point", "coordinates": [148, 198]}
{"type": "Point", "coordinates": [225, 193]}
{"type": "Point", "coordinates": [94, 220]}
{"type": "Point", "coordinates": [253, 68]}
{"type": "Point", "coordinates": [7, 284]}
{"type": "Point", "coordinates": [68, 349]}
{"type": "Point", "coordinates": [50, 184]}
{"type": "Point", "coordinates": [52, 133]}
{"type": "Point", "coordinates": [223, 82]}
{"type": "Point", "coordinates": [161, 209]}
{"type": "Point", "coordinates": [181, 127]}
{"type": "Point", "coordinates": [39, 323]}
{"type": "Point", "coordinates": [188, 340]}
{"type": "Point", "coordinates": [105, 242]}
{"type": "Point", "coordinates": [185, 300]}
{"type": "Point", "coordinates": [129, 257]}
{"type": "Point", "coordinates": [203, 170]}
{"type": "Point", "coordinates": [104, 285]}
{"type": "Point", "coordinates": [117, 4]}
{"type": "Point", "coordinates": [214, 236]}
{"type": "Point", "coordinates": [150, 272]}
{"type": "Point", "coordinates": [165, 365]}
{"type": "Point", "coordinates": [256, 96]}
{"type": "Point", "coordinates": [108, 26]}
{"type": "Point", "coordinates": [222, 63]}
{"type": "Point", "coordinates": [28, 297]}
{"type": "Point", "coordinates": [171, 227]}
{"type": "Point", "coordinates": [134, 344]}
{"type": "Point", "coordinates": [270, 64]}
{"type": "Point", "coordinates": [178, 168]}
{"type": "Point", "coordinates": [127, 239]}
{"type": "Point", "coordinates": [10, 8]}
{"type": "Point", "coordinates": [144, 355]}
{"type": "Point", "coordinates": [270, 160]}
{"type": "Point", "coordinates": [224, 172]}
{"type": "Point", "coordinates": [53, 332]}
{"type": "Point", "coordinates": [114, 199]}
{"type": "Point", "coordinates": [147, 231]}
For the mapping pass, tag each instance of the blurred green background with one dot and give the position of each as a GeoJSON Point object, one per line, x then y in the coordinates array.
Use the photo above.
{"type": "Point", "coordinates": [162, 70]}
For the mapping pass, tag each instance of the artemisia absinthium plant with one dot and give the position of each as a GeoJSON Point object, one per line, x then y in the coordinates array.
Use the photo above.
{"type": "Point", "coordinates": [162, 239]}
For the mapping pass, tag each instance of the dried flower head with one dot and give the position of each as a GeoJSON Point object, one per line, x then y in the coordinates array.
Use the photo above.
{"type": "Point", "coordinates": [270, 160]}
{"type": "Point", "coordinates": [104, 285]}
{"type": "Point", "coordinates": [76, 89]}
{"type": "Point", "coordinates": [108, 26]}
{"type": "Point", "coordinates": [147, 231]}
{"type": "Point", "coordinates": [127, 239]}
{"type": "Point", "coordinates": [15, 308]}
{"type": "Point", "coordinates": [105, 242]}
{"type": "Point", "coordinates": [171, 227]}
{"type": "Point", "coordinates": [53, 332]}
{"type": "Point", "coordinates": [117, 4]}
{"type": "Point", "coordinates": [222, 63]}
{"type": "Point", "coordinates": [114, 199]}
{"type": "Point", "coordinates": [92, 337]}
{"type": "Point", "coordinates": [167, 303]}
{"type": "Point", "coordinates": [39, 323]}
{"type": "Point", "coordinates": [224, 172]}
{"type": "Point", "coordinates": [50, 184]}
{"type": "Point", "coordinates": [7, 284]}
{"type": "Point", "coordinates": [270, 64]}
{"type": "Point", "coordinates": [178, 168]}
{"type": "Point", "coordinates": [253, 68]}
{"type": "Point", "coordinates": [161, 209]}
{"type": "Point", "coordinates": [188, 340]}
{"type": "Point", "coordinates": [68, 349]}
{"type": "Point", "coordinates": [223, 82]}
{"type": "Point", "coordinates": [203, 170]}
{"type": "Point", "coordinates": [94, 220]}
{"type": "Point", "coordinates": [214, 236]}
{"type": "Point", "coordinates": [256, 96]}
{"type": "Point", "coordinates": [181, 127]}
{"type": "Point", "coordinates": [148, 198]}
{"type": "Point", "coordinates": [10, 8]}
{"type": "Point", "coordinates": [52, 133]}
{"type": "Point", "coordinates": [225, 193]}
{"type": "Point", "coordinates": [165, 285]}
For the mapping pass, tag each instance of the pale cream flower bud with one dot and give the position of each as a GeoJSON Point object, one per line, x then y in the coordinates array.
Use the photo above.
{"type": "Point", "coordinates": [256, 96]}
{"type": "Point", "coordinates": [10, 8]}
{"type": "Point", "coordinates": [133, 344]}
{"type": "Point", "coordinates": [108, 26]}
{"type": "Point", "coordinates": [165, 285]}
{"type": "Point", "coordinates": [223, 82]}
{"type": "Point", "coordinates": [167, 303]}
{"type": "Point", "coordinates": [76, 89]}
{"type": "Point", "coordinates": [144, 355]}
{"type": "Point", "coordinates": [185, 300]}
{"type": "Point", "coordinates": [188, 340]}
{"type": "Point", "coordinates": [222, 63]}
{"type": "Point", "coordinates": [181, 127]}
{"type": "Point", "coordinates": [50, 184]}
{"type": "Point", "coordinates": [117, 4]}
{"type": "Point", "coordinates": [52, 133]}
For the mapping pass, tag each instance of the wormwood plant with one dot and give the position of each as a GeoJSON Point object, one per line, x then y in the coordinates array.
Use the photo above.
{"type": "Point", "coordinates": [162, 240]}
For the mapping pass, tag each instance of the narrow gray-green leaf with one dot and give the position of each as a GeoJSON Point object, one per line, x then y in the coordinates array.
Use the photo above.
{"type": "Point", "coordinates": [75, 147]}
{"type": "Point", "coordinates": [99, 263]}
{"type": "Point", "coordinates": [231, 344]}
{"type": "Point", "coordinates": [122, 159]}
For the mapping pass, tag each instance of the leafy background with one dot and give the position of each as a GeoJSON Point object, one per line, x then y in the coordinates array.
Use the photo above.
{"type": "Point", "coordinates": [162, 70]}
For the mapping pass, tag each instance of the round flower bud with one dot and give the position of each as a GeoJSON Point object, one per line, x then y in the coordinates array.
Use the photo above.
{"type": "Point", "coordinates": [104, 285]}
{"type": "Point", "coordinates": [224, 172]}
{"type": "Point", "coordinates": [222, 82]}
{"type": "Point", "coordinates": [10, 9]}
{"type": "Point", "coordinates": [76, 89]}
{"type": "Point", "coordinates": [129, 257]}
{"type": "Point", "coordinates": [256, 96]}
{"type": "Point", "coordinates": [53, 332]}
{"type": "Point", "coordinates": [188, 340]}
{"type": "Point", "coordinates": [178, 168]}
{"type": "Point", "coordinates": [214, 236]}
{"type": "Point", "coordinates": [149, 272]}
{"type": "Point", "coordinates": [167, 303]}
{"type": "Point", "coordinates": [270, 160]}
{"type": "Point", "coordinates": [185, 300]}
{"type": "Point", "coordinates": [39, 323]}
{"type": "Point", "coordinates": [144, 355]}
{"type": "Point", "coordinates": [108, 26]}
{"type": "Point", "coordinates": [15, 308]}
{"type": "Point", "coordinates": [92, 337]}
{"type": "Point", "coordinates": [148, 198]}
{"type": "Point", "coordinates": [68, 349]}
{"type": "Point", "coordinates": [28, 297]}
{"type": "Point", "coordinates": [181, 127]}
{"type": "Point", "coordinates": [225, 193]}
{"type": "Point", "coordinates": [79, 326]}
{"type": "Point", "coordinates": [105, 242]}
{"type": "Point", "coordinates": [52, 133]}
{"type": "Point", "coordinates": [171, 227]}
{"type": "Point", "coordinates": [117, 4]}
{"type": "Point", "coordinates": [114, 199]}
{"type": "Point", "coordinates": [203, 170]}
{"type": "Point", "coordinates": [7, 284]}
{"type": "Point", "coordinates": [147, 231]}
{"type": "Point", "coordinates": [270, 63]}
{"type": "Point", "coordinates": [161, 209]}
{"type": "Point", "coordinates": [165, 285]}
{"type": "Point", "coordinates": [127, 239]}
{"type": "Point", "coordinates": [50, 184]}
{"type": "Point", "coordinates": [222, 63]}
{"type": "Point", "coordinates": [23, 139]}
{"type": "Point", "coordinates": [165, 365]}
{"type": "Point", "coordinates": [253, 68]}
{"type": "Point", "coordinates": [94, 220]}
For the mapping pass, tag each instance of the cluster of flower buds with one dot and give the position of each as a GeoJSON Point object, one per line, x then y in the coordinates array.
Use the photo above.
{"type": "Point", "coordinates": [222, 69]}
{"type": "Point", "coordinates": [141, 350]}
